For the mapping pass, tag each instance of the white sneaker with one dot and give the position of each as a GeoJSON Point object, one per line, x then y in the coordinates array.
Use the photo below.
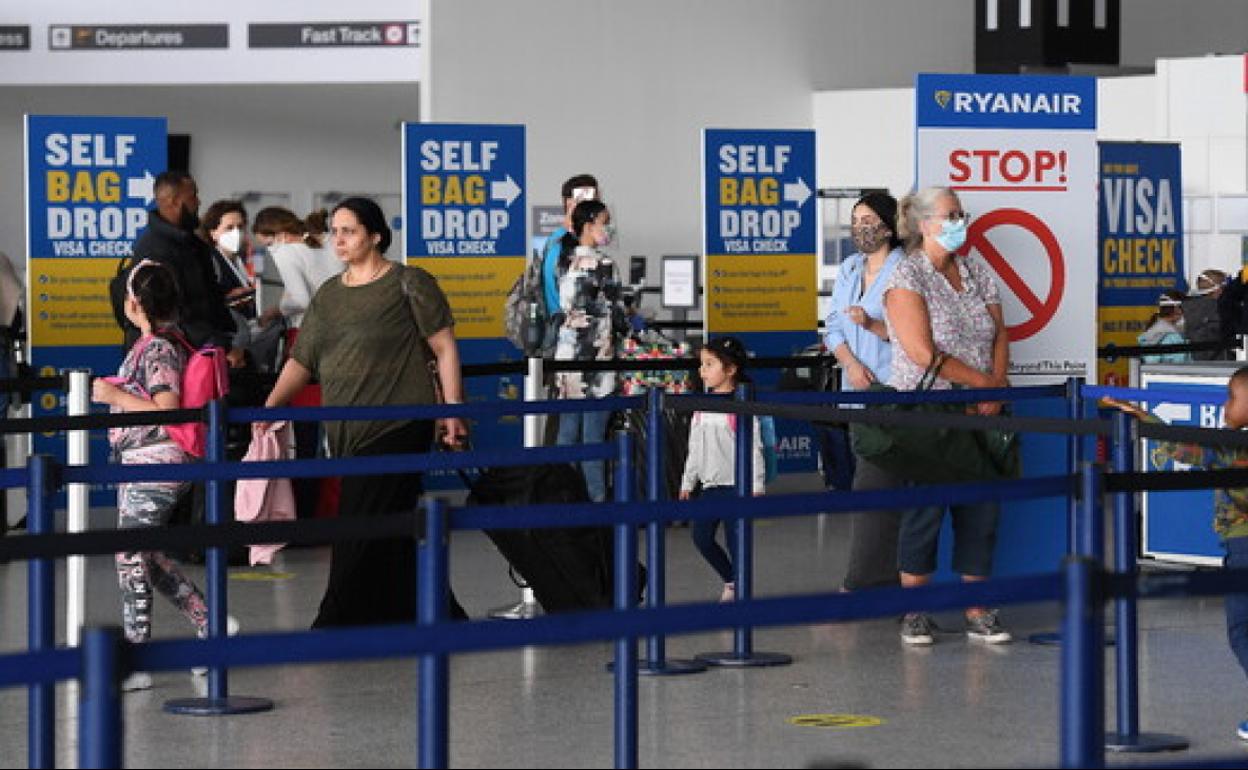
{"type": "Point", "coordinates": [139, 680]}
{"type": "Point", "coordinates": [231, 629]}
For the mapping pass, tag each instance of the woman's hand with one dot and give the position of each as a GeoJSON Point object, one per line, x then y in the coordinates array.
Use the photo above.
{"type": "Point", "coordinates": [104, 392]}
{"type": "Point", "coordinates": [988, 408]}
{"type": "Point", "coordinates": [1125, 406]}
{"type": "Point", "coordinates": [452, 431]}
{"type": "Point", "coordinates": [858, 315]}
{"type": "Point", "coordinates": [860, 377]}
{"type": "Point", "coordinates": [684, 494]}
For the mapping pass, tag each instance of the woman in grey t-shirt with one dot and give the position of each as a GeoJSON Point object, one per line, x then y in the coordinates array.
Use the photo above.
{"type": "Point", "coordinates": [944, 306]}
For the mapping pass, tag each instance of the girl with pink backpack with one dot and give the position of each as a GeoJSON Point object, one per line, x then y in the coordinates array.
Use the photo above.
{"type": "Point", "coordinates": [150, 379]}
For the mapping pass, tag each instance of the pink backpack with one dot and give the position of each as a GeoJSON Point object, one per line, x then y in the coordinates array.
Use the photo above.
{"type": "Point", "coordinates": [205, 378]}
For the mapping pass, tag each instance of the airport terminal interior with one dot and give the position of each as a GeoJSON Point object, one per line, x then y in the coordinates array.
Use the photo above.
{"type": "Point", "coordinates": [1100, 149]}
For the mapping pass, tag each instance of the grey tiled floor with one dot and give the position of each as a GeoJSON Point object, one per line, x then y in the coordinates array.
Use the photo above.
{"type": "Point", "coordinates": [955, 704]}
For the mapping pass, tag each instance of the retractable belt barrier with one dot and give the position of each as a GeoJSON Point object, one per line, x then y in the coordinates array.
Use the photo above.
{"type": "Point", "coordinates": [1082, 584]}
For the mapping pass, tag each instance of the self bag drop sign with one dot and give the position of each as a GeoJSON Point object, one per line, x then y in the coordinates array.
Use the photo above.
{"type": "Point", "coordinates": [463, 189]}
{"type": "Point", "coordinates": [1021, 154]}
{"type": "Point", "coordinates": [760, 230]}
{"type": "Point", "coordinates": [88, 187]}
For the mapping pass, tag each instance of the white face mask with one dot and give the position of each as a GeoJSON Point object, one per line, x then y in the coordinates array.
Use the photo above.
{"type": "Point", "coordinates": [231, 240]}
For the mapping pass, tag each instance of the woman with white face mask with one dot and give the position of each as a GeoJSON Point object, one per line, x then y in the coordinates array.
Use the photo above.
{"type": "Point", "coordinates": [945, 319]}
{"type": "Point", "coordinates": [223, 225]}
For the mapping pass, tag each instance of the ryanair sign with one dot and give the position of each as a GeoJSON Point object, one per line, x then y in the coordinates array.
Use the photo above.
{"type": "Point", "coordinates": [984, 101]}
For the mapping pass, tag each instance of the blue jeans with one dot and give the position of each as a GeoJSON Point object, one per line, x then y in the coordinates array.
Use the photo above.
{"type": "Point", "coordinates": [974, 538]}
{"type": "Point", "coordinates": [703, 532]}
{"type": "Point", "coordinates": [1237, 604]}
{"type": "Point", "coordinates": [587, 428]}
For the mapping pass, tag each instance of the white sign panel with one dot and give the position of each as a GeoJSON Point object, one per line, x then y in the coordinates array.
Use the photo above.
{"type": "Point", "coordinates": [1021, 154]}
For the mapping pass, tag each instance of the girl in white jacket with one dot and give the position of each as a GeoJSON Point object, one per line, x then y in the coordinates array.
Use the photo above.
{"type": "Point", "coordinates": [711, 461]}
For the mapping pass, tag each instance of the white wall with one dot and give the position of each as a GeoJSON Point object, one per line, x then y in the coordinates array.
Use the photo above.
{"type": "Point", "coordinates": [623, 90]}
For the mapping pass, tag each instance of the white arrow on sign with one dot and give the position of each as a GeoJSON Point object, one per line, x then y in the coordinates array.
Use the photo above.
{"type": "Point", "coordinates": [141, 187]}
{"type": "Point", "coordinates": [1173, 412]}
{"type": "Point", "coordinates": [506, 190]}
{"type": "Point", "coordinates": [796, 192]}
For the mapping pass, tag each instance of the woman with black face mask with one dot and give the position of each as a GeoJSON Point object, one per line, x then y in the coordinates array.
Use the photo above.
{"type": "Point", "coordinates": [858, 336]}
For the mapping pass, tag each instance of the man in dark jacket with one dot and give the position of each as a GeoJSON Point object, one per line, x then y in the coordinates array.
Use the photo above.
{"type": "Point", "coordinates": [171, 240]}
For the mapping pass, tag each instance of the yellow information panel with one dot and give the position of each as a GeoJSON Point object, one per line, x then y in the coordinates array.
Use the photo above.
{"type": "Point", "coordinates": [477, 290]}
{"type": "Point", "coordinates": [69, 302]}
{"type": "Point", "coordinates": [835, 721]}
{"type": "Point", "coordinates": [761, 293]}
{"type": "Point", "coordinates": [1120, 326]}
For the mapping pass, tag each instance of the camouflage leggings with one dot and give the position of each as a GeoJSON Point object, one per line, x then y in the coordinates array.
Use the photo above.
{"type": "Point", "coordinates": [148, 504]}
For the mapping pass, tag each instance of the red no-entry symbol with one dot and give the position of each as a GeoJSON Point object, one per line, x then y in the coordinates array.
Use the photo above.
{"type": "Point", "coordinates": [1041, 311]}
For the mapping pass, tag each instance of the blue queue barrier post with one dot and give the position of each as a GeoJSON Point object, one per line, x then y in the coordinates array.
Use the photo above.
{"type": "Point", "coordinates": [219, 702]}
{"type": "Point", "coordinates": [656, 662]}
{"type": "Point", "coordinates": [625, 666]}
{"type": "Point", "coordinates": [100, 730]}
{"type": "Point", "coordinates": [41, 599]}
{"type": "Point", "coordinates": [743, 653]}
{"type": "Point", "coordinates": [1074, 462]}
{"type": "Point", "coordinates": [434, 668]}
{"type": "Point", "coordinates": [1128, 738]}
{"type": "Point", "coordinates": [1083, 665]}
{"type": "Point", "coordinates": [1083, 632]}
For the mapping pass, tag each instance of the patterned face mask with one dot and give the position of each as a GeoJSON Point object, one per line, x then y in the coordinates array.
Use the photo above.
{"type": "Point", "coordinates": [869, 238]}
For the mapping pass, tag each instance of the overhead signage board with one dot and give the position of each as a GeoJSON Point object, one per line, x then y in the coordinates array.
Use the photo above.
{"type": "Point", "coordinates": [334, 34]}
{"type": "Point", "coordinates": [14, 37]}
{"type": "Point", "coordinates": [464, 202]}
{"type": "Point", "coordinates": [225, 42]}
{"type": "Point", "coordinates": [1021, 153]}
{"type": "Point", "coordinates": [136, 37]}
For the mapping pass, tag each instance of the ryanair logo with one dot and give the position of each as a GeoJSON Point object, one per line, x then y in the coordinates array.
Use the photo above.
{"type": "Point", "coordinates": [996, 102]}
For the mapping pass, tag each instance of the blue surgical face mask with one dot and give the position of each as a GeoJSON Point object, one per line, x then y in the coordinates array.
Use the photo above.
{"type": "Point", "coordinates": [952, 234]}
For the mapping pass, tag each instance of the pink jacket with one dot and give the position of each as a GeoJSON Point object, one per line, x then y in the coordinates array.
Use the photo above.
{"type": "Point", "coordinates": [266, 499]}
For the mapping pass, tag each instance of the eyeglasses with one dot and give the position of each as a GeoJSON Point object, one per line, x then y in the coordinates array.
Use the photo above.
{"type": "Point", "coordinates": [953, 216]}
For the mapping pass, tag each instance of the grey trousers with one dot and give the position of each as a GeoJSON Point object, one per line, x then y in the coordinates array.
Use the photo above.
{"type": "Point", "coordinates": [872, 534]}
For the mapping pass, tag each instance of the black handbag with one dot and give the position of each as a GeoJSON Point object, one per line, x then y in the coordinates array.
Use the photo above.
{"type": "Point", "coordinates": [935, 455]}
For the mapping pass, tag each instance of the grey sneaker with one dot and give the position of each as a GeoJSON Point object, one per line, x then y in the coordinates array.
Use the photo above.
{"type": "Point", "coordinates": [139, 680]}
{"type": "Point", "coordinates": [986, 627]}
{"type": "Point", "coordinates": [916, 628]}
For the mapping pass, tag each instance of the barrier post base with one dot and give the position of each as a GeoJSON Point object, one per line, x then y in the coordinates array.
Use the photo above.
{"type": "Point", "coordinates": [212, 707]}
{"type": "Point", "coordinates": [668, 667]}
{"type": "Point", "coordinates": [751, 660]}
{"type": "Point", "coordinates": [1054, 639]}
{"type": "Point", "coordinates": [1144, 743]}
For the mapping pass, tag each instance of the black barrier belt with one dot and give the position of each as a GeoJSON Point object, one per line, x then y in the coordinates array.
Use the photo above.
{"type": "Point", "coordinates": [98, 421]}
{"type": "Point", "coordinates": [1111, 351]}
{"type": "Point", "coordinates": [1158, 585]}
{"type": "Point", "coordinates": [31, 384]}
{"type": "Point", "coordinates": [1189, 435]}
{"type": "Point", "coordinates": [820, 414]}
{"type": "Point", "coordinates": [307, 532]}
{"type": "Point", "coordinates": [635, 365]}
{"type": "Point", "coordinates": [1171, 481]}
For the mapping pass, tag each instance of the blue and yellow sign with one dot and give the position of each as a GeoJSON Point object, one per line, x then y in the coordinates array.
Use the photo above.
{"type": "Point", "coordinates": [1140, 226]}
{"type": "Point", "coordinates": [464, 203]}
{"type": "Point", "coordinates": [88, 187]}
{"type": "Point", "coordinates": [760, 230]}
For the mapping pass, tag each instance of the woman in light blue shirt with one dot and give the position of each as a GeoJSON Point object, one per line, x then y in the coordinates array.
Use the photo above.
{"type": "Point", "coordinates": [858, 336]}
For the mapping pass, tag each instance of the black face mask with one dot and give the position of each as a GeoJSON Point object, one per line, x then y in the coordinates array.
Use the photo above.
{"type": "Point", "coordinates": [189, 221]}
